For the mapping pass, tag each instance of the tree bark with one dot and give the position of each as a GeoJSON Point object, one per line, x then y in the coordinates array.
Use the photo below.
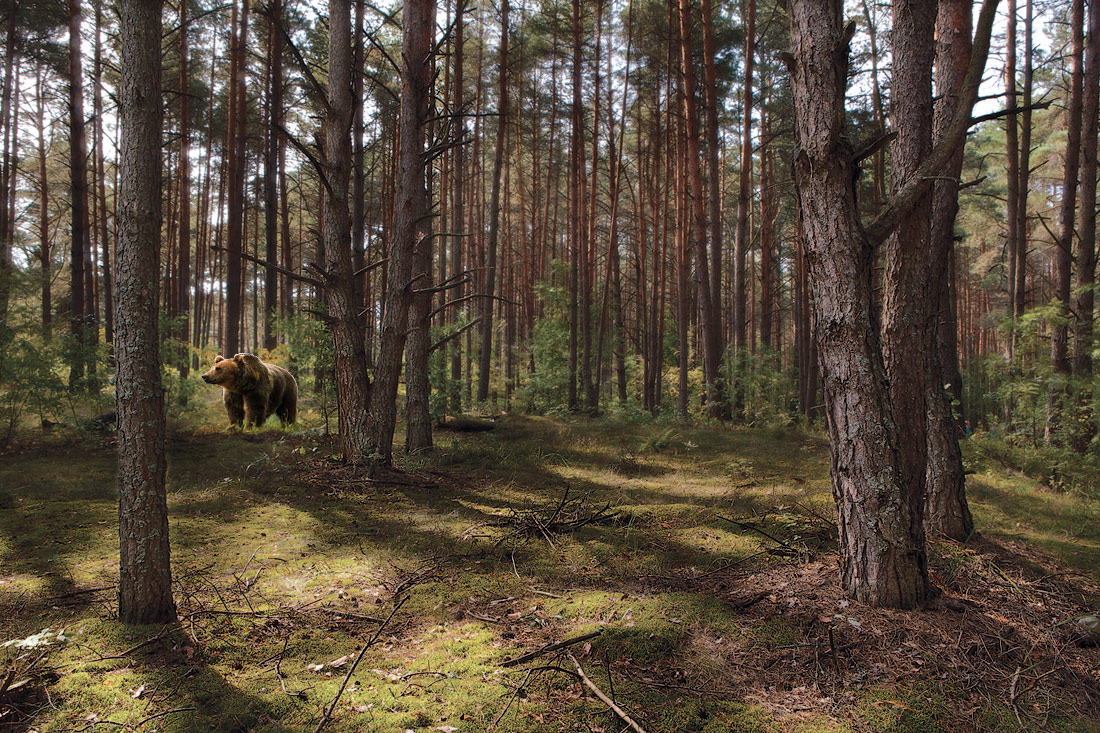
{"type": "Point", "coordinates": [349, 351]}
{"type": "Point", "coordinates": [411, 222]}
{"type": "Point", "coordinates": [947, 512]}
{"type": "Point", "coordinates": [271, 172]}
{"type": "Point", "coordinates": [1012, 151]}
{"type": "Point", "coordinates": [78, 155]}
{"type": "Point", "coordinates": [883, 560]}
{"type": "Point", "coordinates": [1086, 246]}
{"type": "Point", "coordinates": [145, 576]}
{"type": "Point", "coordinates": [697, 232]}
{"type": "Point", "coordinates": [744, 192]}
{"type": "Point", "coordinates": [487, 305]}
{"type": "Point", "coordinates": [1063, 254]}
{"type": "Point", "coordinates": [234, 150]}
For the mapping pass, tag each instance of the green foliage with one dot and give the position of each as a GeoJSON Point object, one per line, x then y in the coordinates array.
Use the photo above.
{"type": "Point", "coordinates": [545, 390]}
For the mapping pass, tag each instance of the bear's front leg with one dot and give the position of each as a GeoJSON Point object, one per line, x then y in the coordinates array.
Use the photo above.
{"type": "Point", "coordinates": [255, 411]}
{"type": "Point", "coordinates": [234, 408]}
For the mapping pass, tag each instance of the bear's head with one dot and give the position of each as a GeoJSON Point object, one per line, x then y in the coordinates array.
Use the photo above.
{"type": "Point", "coordinates": [238, 374]}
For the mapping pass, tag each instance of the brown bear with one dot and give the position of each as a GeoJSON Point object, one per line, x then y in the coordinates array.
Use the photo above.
{"type": "Point", "coordinates": [254, 390]}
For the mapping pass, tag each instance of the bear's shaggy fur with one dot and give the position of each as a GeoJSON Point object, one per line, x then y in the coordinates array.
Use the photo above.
{"type": "Point", "coordinates": [254, 390]}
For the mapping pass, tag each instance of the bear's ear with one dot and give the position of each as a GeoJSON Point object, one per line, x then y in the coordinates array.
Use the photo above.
{"type": "Point", "coordinates": [218, 358]}
{"type": "Point", "coordinates": [252, 366]}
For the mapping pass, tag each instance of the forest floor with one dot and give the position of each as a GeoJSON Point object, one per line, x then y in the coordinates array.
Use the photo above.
{"type": "Point", "coordinates": [699, 562]}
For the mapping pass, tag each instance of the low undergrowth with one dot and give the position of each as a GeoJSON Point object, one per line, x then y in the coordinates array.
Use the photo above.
{"type": "Point", "coordinates": [694, 566]}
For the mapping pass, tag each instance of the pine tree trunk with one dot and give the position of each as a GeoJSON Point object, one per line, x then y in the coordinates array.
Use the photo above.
{"type": "Point", "coordinates": [1012, 151]}
{"type": "Point", "coordinates": [744, 192]}
{"type": "Point", "coordinates": [44, 256]}
{"type": "Point", "coordinates": [487, 306]}
{"type": "Point", "coordinates": [458, 184]}
{"type": "Point", "coordinates": [882, 553]}
{"type": "Point", "coordinates": [411, 223]}
{"type": "Point", "coordinates": [183, 272]}
{"type": "Point", "coordinates": [78, 154]}
{"type": "Point", "coordinates": [9, 128]}
{"type": "Point", "coordinates": [697, 231]}
{"type": "Point", "coordinates": [145, 575]}
{"type": "Point", "coordinates": [271, 173]}
{"type": "Point", "coordinates": [1063, 255]}
{"type": "Point", "coordinates": [1086, 247]}
{"type": "Point", "coordinates": [349, 351]}
{"type": "Point", "coordinates": [234, 151]}
{"type": "Point", "coordinates": [947, 511]}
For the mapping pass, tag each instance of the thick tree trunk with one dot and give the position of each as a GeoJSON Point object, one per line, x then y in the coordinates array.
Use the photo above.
{"type": "Point", "coordinates": [882, 553]}
{"type": "Point", "coordinates": [411, 222]}
{"type": "Point", "coordinates": [145, 576]}
{"type": "Point", "coordinates": [947, 511]}
{"type": "Point", "coordinates": [349, 351]}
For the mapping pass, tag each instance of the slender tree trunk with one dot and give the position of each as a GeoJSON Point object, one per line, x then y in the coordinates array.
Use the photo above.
{"type": "Point", "coordinates": [235, 153]}
{"type": "Point", "coordinates": [1063, 254]}
{"type": "Point", "coordinates": [1086, 247]}
{"type": "Point", "coordinates": [78, 154]}
{"type": "Point", "coordinates": [1019, 290]}
{"type": "Point", "coordinates": [183, 273]}
{"type": "Point", "coordinates": [711, 336]}
{"type": "Point", "coordinates": [271, 172]}
{"type": "Point", "coordinates": [487, 306]}
{"type": "Point", "coordinates": [458, 186]}
{"type": "Point", "coordinates": [44, 255]}
{"type": "Point", "coordinates": [145, 575]}
{"type": "Point", "coordinates": [1012, 151]}
{"type": "Point", "coordinates": [947, 511]}
{"type": "Point", "coordinates": [744, 192]}
{"type": "Point", "coordinates": [99, 180]}
{"type": "Point", "coordinates": [9, 128]}
{"type": "Point", "coordinates": [576, 193]}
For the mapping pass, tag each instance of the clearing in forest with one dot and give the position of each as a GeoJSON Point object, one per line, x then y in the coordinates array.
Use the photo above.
{"type": "Point", "coordinates": [695, 565]}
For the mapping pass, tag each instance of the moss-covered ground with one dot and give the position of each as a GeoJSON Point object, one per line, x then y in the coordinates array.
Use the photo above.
{"type": "Point", "coordinates": [286, 564]}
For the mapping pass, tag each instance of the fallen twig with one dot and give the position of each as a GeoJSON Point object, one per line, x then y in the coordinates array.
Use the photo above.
{"type": "Point", "coordinates": [358, 658]}
{"type": "Point", "coordinates": [551, 648]}
{"type": "Point", "coordinates": [604, 698]}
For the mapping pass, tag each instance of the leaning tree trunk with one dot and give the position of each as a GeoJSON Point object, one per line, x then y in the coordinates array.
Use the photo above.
{"type": "Point", "coordinates": [145, 575]}
{"type": "Point", "coordinates": [411, 222]}
{"type": "Point", "coordinates": [947, 510]}
{"type": "Point", "coordinates": [349, 350]}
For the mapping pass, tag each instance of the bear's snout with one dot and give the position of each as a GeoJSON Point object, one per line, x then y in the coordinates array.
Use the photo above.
{"type": "Point", "coordinates": [206, 378]}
